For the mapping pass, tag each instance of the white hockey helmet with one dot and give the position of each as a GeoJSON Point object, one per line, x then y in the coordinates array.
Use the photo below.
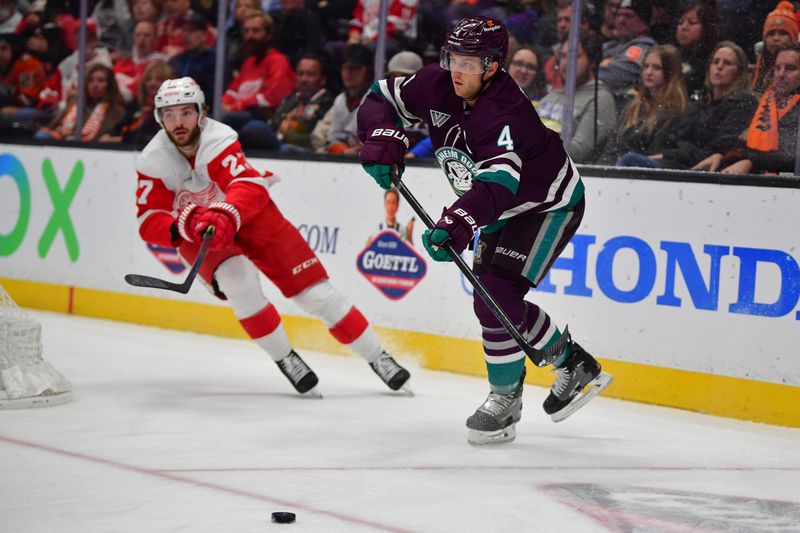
{"type": "Point", "coordinates": [180, 91]}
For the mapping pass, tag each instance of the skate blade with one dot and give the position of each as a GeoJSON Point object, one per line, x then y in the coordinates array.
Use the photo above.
{"type": "Point", "coordinates": [312, 393]}
{"type": "Point", "coordinates": [405, 390]}
{"type": "Point", "coordinates": [592, 389]}
{"type": "Point", "coordinates": [480, 438]}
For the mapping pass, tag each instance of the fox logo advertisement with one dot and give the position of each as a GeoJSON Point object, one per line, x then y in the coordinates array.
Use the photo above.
{"type": "Point", "coordinates": [391, 265]}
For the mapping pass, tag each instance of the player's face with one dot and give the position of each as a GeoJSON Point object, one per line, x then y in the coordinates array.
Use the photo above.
{"type": "Point", "coordinates": [466, 73]}
{"type": "Point", "coordinates": [652, 73]}
{"type": "Point", "coordinates": [180, 123]}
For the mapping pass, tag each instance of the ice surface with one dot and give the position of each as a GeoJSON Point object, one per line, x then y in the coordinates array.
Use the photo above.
{"type": "Point", "coordinates": [177, 432]}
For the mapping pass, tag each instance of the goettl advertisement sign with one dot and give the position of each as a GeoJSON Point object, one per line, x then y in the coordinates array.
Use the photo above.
{"type": "Point", "coordinates": [391, 265]}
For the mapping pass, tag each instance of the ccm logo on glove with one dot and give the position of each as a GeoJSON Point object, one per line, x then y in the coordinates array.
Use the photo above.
{"type": "Point", "coordinates": [389, 132]}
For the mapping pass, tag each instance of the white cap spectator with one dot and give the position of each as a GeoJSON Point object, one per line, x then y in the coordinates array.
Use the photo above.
{"type": "Point", "coordinates": [404, 63]}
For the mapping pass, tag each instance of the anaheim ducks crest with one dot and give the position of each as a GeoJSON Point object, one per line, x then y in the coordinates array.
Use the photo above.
{"type": "Point", "coordinates": [458, 167]}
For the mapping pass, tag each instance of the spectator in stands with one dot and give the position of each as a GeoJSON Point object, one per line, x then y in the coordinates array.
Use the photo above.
{"type": "Point", "coordinates": [21, 80]}
{"type": "Point", "coordinates": [404, 64]}
{"type": "Point", "coordinates": [696, 36]}
{"type": "Point", "coordinates": [234, 45]}
{"type": "Point", "coordinates": [128, 70]}
{"type": "Point", "coordinates": [772, 136]}
{"type": "Point", "coordinates": [265, 79]}
{"type": "Point", "coordinates": [41, 37]}
{"type": "Point", "coordinates": [609, 14]}
{"type": "Point", "coordinates": [780, 29]}
{"type": "Point", "coordinates": [149, 10]}
{"type": "Point", "coordinates": [139, 124]}
{"type": "Point", "coordinates": [10, 16]}
{"type": "Point", "coordinates": [524, 67]}
{"type": "Point", "coordinates": [742, 21]}
{"type": "Point", "coordinates": [297, 30]}
{"type": "Point", "coordinates": [142, 11]}
{"type": "Point", "coordinates": [299, 113]}
{"type": "Point", "coordinates": [335, 16]}
{"type": "Point", "coordinates": [715, 124]}
{"type": "Point", "coordinates": [551, 74]}
{"type": "Point", "coordinates": [169, 31]}
{"type": "Point", "coordinates": [290, 129]}
{"type": "Point", "coordinates": [622, 58]}
{"type": "Point", "coordinates": [110, 16]}
{"type": "Point", "coordinates": [659, 101]}
{"type": "Point", "coordinates": [400, 23]}
{"type": "Point", "coordinates": [546, 26]}
{"type": "Point", "coordinates": [521, 31]}
{"type": "Point", "coordinates": [593, 115]}
{"type": "Point", "coordinates": [104, 109]}
{"type": "Point", "coordinates": [197, 60]}
{"type": "Point", "coordinates": [336, 132]}
{"type": "Point", "coordinates": [63, 83]}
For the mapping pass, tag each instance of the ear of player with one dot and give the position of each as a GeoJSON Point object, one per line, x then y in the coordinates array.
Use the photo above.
{"type": "Point", "coordinates": [384, 147]}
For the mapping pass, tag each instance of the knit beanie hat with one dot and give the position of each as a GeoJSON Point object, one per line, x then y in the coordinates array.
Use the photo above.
{"type": "Point", "coordinates": [782, 18]}
{"type": "Point", "coordinates": [643, 8]}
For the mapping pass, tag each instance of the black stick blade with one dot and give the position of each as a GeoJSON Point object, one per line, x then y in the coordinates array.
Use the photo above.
{"type": "Point", "coordinates": [138, 280]}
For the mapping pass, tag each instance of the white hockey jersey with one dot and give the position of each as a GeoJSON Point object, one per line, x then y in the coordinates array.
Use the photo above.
{"type": "Point", "coordinates": [168, 180]}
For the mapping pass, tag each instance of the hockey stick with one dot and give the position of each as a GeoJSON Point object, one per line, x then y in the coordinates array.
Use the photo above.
{"type": "Point", "coordinates": [537, 356]}
{"type": "Point", "coordinates": [139, 280]}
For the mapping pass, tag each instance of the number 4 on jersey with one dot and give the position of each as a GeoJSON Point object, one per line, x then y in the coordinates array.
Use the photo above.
{"type": "Point", "coordinates": [505, 139]}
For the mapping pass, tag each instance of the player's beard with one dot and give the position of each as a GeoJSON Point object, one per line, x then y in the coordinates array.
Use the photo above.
{"type": "Point", "coordinates": [190, 141]}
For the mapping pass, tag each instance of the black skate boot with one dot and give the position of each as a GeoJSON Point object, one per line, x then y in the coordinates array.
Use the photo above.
{"type": "Point", "coordinates": [578, 380]}
{"type": "Point", "coordinates": [394, 375]}
{"type": "Point", "coordinates": [495, 421]}
{"type": "Point", "coordinates": [299, 374]}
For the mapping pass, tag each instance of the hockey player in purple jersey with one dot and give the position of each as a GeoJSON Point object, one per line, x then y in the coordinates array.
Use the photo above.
{"type": "Point", "coordinates": [513, 180]}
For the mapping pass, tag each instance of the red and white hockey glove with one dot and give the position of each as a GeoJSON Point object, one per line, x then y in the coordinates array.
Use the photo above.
{"type": "Point", "coordinates": [194, 219]}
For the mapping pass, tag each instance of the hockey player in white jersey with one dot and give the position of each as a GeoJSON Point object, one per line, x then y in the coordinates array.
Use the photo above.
{"type": "Point", "coordinates": [192, 175]}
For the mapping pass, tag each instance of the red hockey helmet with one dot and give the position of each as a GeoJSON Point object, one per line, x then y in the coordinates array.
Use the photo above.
{"type": "Point", "coordinates": [482, 37]}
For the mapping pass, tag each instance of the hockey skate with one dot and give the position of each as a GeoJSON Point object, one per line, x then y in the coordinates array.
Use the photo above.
{"type": "Point", "coordinates": [578, 380]}
{"type": "Point", "coordinates": [394, 375]}
{"type": "Point", "coordinates": [495, 421]}
{"type": "Point", "coordinates": [302, 378]}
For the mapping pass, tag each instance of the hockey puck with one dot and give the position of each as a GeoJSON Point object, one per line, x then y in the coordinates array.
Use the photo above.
{"type": "Point", "coordinates": [281, 517]}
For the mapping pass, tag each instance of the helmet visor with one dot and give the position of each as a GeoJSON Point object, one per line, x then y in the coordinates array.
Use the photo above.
{"type": "Point", "coordinates": [461, 63]}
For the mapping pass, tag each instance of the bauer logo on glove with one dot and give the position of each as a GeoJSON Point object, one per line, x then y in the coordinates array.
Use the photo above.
{"type": "Point", "coordinates": [390, 132]}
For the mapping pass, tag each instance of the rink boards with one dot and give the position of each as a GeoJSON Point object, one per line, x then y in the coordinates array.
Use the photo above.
{"type": "Point", "coordinates": [688, 292]}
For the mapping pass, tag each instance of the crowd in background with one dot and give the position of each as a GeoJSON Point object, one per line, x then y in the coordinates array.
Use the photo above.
{"type": "Point", "coordinates": [680, 84]}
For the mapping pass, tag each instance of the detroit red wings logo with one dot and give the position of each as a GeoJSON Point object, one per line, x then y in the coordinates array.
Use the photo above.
{"type": "Point", "coordinates": [203, 197]}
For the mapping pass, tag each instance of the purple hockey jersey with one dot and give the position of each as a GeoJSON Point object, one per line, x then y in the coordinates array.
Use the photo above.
{"type": "Point", "coordinates": [498, 156]}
